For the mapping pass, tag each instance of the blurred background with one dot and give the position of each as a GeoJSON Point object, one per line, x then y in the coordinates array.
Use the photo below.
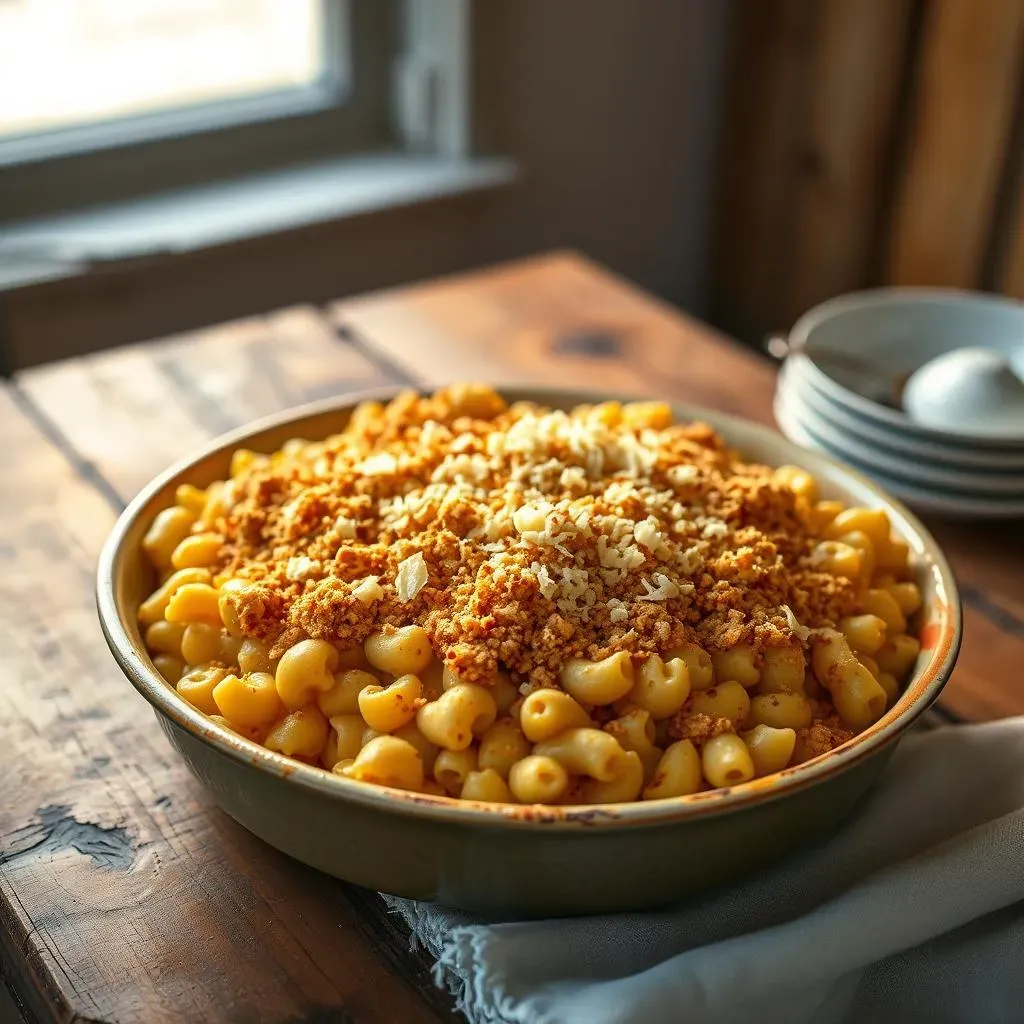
{"type": "Point", "coordinates": [166, 164]}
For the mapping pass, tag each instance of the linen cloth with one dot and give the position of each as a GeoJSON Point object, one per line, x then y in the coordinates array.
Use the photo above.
{"type": "Point", "coordinates": [913, 911]}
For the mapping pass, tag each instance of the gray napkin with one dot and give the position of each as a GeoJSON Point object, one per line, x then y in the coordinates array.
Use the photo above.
{"type": "Point", "coordinates": [913, 912]}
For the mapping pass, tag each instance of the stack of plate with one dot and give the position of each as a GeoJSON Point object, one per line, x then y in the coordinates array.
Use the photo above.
{"type": "Point", "coordinates": [839, 387]}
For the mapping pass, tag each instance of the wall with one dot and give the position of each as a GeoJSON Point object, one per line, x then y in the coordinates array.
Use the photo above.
{"type": "Point", "coordinates": [870, 142]}
{"type": "Point", "coordinates": [611, 108]}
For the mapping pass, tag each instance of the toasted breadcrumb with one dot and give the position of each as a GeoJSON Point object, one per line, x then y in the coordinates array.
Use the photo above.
{"type": "Point", "coordinates": [819, 738]}
{"type": "Point", "coordinates": [697, 726]}
{"type": "Point", "coordinates": [522, 537]}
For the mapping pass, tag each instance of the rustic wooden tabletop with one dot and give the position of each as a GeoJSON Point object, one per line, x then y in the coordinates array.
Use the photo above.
{"type": "Point", "coordinates": [125, 894]}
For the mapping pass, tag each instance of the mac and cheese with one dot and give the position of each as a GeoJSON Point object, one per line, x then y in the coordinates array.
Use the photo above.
{"type": "Point", "coordinates": [514, 604]}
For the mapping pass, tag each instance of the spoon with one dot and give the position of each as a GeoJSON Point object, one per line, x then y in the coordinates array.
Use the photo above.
{"type": "Point", "coordinates": [873, 382]}
{"type": "Point", "coordinates": [972, 391]}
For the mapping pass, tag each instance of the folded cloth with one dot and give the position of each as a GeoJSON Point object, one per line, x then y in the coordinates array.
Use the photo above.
{"type": "Point", "coordinates": [914, 911]}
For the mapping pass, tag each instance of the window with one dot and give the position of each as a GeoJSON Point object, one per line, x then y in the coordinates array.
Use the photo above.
{"type": "Point", "coordinates": [104, 100]}
{"type": "Point", "coordinates": [66, 64]}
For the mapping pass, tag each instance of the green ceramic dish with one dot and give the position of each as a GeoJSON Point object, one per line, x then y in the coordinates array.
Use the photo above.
{"type": "Point", "coordinates": [518, 860]}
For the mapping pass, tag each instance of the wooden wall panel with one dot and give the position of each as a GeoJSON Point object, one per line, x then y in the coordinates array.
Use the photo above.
{"type": "Point", "coordinates": [1011, 273]}
{"type": "Point", "coordinates": [814, 100]}
{"type": "Point", "coordinates": [961, 127]}
{"type": "Point", "coordinates": [869, 142]}
{"type": "Point", "coordinates": [841, 176]}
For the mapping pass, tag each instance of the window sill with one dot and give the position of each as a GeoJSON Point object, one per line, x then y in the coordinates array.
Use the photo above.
{"type": "Point", "coordinates": [120, 235]}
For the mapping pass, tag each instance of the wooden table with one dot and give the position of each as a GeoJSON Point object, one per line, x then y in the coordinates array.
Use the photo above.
{"type": "Point", "coordinates": [125, 894]}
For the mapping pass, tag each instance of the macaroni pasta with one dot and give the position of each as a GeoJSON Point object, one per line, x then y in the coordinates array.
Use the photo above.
{"type": "Point", "coordinates": [513, 604]}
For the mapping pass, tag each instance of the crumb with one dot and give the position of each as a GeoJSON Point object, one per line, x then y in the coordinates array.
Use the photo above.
{"type": "Point", "coordinates": [819, 738]}
{"type": "Point", "coordinates": [697, 726]}
{"type": "Point", "coordinates": [521, 537]}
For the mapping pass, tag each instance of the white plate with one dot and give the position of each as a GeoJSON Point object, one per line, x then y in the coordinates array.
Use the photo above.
{"type": "Point", "coordinates": [872, 432]}
{"type": "Point", "coordinates": [924, 499]}
{"type": "Point", "coordinates": [1000, 455]}
{"type": "Point", "coordinates": [887, 459]}
{"type": "Point", "coordinates": [900, 329]}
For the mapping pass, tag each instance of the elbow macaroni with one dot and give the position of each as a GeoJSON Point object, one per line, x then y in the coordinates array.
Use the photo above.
{"type": "Point", "coordinates": [486, 785]}
{"type": "Point", "coordinates": [631, 725]}
{"type": "Point", "coordinates": [599, 682]}
{"type": "Point", "coordinates": [457, 716]}
{"type": "Point", "coordinates": [452, 767]}
{"type": "Point", "coordinates": [305, 670]}
{"type": "Point", "coordinates": [782, 670]}
{"type": "Point", "coordinates": [387, 708]}
{"type": "Point", "coordinates": [546, 713]}
{"type": "Point", "coordinates": [501, 746]}
{"type": "Point", "coordinates": [538, 780]}
{"type": "Point", "coordinates": [661, 687]}
{"type": "Point", "coordinates": [864, 633]}
{"type": "Point", "coordinates": [771, 748]}
{"type": "Point", "coordinates": [588, 752]}
{"type": "Point", "coordinates": [737, 663]}
{"type": "Point", "coordinates": [635, 731]}
{"type": "Point", "coordinates": [678, 772]}
{"type": "Point", "coordinates": [728, 700]}
{"type": "Point", "coordinates": [624, 786]}
{"type": "Point", "coordinates": [726, 761]}
{"type": "Point", "coordinates": [388, 761]}
{"type": "Point", "coordinates": [403, 651]}
{"type": "Point", "coordinates": [857, 695]}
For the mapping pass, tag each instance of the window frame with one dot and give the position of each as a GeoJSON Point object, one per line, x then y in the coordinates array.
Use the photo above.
{"type": "Point", "coordinates": [348, 110]}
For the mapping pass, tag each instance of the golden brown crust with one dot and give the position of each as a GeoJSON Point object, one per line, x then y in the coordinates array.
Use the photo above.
{"type": "Point", "coordinates": [819, 738]}
{"type": "Point", "coordinates": [697, 726]}
{"type": "Point", "coordinates": [544, 537]}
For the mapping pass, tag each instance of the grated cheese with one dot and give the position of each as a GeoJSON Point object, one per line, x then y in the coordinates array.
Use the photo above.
{"type": "Point", "coordinates": [346, 527]}
{"type": "Point", "coordinates": [299, 568]}
{"type": "Point", "coordinates": [368, 590]}
{"type": "Point", "coordinates": [715, 528]}
{"type": "Point", "coordinates": [378, 464]}
{"type": "Point", "coordinates": [802, 633]}
{"type": "Point", "coordinates": [617, 611]}
{"type": "Point", "coordinates": [662, 590]}
{"type": "Point", "coordinates": [411, 577]}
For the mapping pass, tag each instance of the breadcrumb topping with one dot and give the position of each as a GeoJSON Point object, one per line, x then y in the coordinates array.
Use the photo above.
{"type": "Point", "coordinates": [520, 537]}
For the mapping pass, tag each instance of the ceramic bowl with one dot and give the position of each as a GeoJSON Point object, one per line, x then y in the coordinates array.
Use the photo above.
{"type": "Point", "coordinates": [898, 330]}
{"type": "Point", "coordinates": [511, 860]}
{"type": "Point", "coordinates": [928, 499]}
{"type": "Point", "coordinates": [868, 430]}
{"type": "Point", "coordinates": [889, 460]}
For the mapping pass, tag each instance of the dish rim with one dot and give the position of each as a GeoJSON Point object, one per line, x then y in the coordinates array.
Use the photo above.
{"type": "Point", "coordinates": [871, 432]}
{"type": "Point", "coordinates": [936, 501]}
{"type": "Point", "coordinates": [881, 297]}
{"type": "Point", "coordinates": [133, 659]}
{"type": "Point", "coordinates": [988, 486]}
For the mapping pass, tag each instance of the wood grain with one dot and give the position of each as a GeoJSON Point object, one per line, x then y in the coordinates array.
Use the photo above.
{"type": "Point", "coordinates": [961, 125]}
{"type": "Point", "coordinates": [562, 320]}
{"type": "Point", "coordinates": [867, 142]}
{"type": "Point", "coordinates": [858, 63]}
{"type": "Point", "coordinates": [133, 410]}
{"type": "Point", "coordinates": [814, 106]}
{"type": "Point", "coordinates": [1011, 275]}
{"type": "Point", "coordinates": [125, 895]}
